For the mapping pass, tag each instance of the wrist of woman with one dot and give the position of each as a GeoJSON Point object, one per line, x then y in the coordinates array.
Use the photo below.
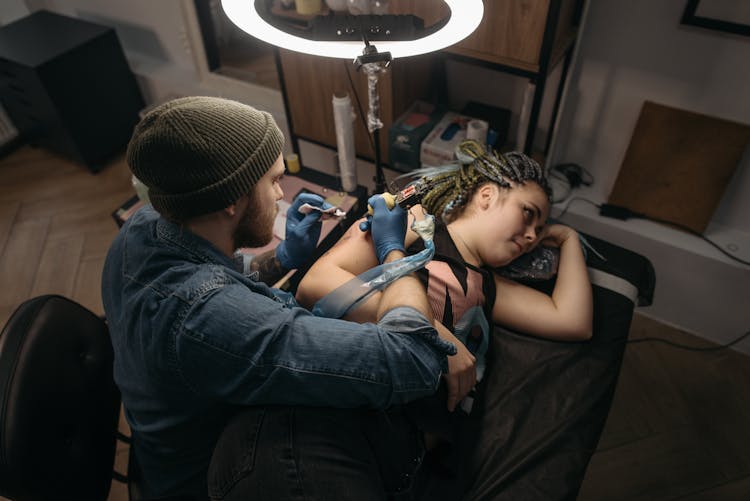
{"type": "Point", "coordinates": [563, 234]}
{"type": "Point", "coordinates": [393, 255]}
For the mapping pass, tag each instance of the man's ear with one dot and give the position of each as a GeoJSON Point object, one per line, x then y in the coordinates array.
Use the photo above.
{"type": "Point", "coordinates": [231, 210]}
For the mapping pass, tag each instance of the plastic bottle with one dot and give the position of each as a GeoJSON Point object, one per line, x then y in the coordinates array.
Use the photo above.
{"type": "Point", "coordinates": [343, 117]}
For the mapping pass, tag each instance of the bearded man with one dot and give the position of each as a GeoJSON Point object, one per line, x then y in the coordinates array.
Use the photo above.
{"type": "Point", "coordinates": [197, 337]}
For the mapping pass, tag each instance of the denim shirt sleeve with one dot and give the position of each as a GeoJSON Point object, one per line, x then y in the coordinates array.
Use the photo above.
{"type": "Point", "coordinates": [243, 347]}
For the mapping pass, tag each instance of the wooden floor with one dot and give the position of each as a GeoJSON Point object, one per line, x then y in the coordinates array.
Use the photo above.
{"type": "Point", "coordinates": [679, 427]}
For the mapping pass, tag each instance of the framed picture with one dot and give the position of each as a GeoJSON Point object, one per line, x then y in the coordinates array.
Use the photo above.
{"type": "Point", "coordinates": [730, 16]}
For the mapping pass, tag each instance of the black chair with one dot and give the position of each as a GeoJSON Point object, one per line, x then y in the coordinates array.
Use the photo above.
{"type": "Point", "coordinates": [59, 406]}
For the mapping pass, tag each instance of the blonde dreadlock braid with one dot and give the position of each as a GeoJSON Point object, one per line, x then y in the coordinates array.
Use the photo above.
{"type": "Point", "coordinates": [452, 188]}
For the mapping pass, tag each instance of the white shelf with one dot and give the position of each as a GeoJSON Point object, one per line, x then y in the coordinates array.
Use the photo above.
{"type": "Point", "coordinates": [734, 241]}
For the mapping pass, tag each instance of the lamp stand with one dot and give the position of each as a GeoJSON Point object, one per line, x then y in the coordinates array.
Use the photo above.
{"type": "Point", "coordinates": [379, 175]}
{"type": "Point", "coordinates": [373, 63]}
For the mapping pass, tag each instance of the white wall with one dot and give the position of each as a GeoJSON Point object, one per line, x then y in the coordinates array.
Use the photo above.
{"type": "Point", "coordinates": [634, 51]}
{"type": "Point", "coordinates": [147, 29]}
{"type": "Point", "coordinates": [12, 10]}
{"type": "Point", "coordinates": [162, 43]}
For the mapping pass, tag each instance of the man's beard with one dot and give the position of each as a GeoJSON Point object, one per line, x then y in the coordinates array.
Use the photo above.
{"type": "Point", "coordinates": [255, 228]}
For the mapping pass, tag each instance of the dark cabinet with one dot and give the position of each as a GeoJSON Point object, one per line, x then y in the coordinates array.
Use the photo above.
{"type": "Point", "coordinates": [67, 87]}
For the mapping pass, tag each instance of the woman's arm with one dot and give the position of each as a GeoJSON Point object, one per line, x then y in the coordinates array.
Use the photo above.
{"type": "Point", "coordinates": [351, 255]}
{"type": "Point", "coordinates": [462, 370]}
{"type": "Point", "coordinates": [567, 313]}
{"type": "Point", "coordinates": [354, 254]}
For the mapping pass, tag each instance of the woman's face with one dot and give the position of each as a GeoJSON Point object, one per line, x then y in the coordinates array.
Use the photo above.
{"type": "Point", "coordinates": [512, 224]}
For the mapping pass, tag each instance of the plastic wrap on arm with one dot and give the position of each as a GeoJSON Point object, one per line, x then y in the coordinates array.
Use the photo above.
{"type": "Point", "coordinates": [347, 296]}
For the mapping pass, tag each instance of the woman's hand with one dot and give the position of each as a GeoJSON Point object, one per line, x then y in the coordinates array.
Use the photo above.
{"type": "Point", "coordinates": [462, 369]}
{"type": "Point", "coordinates": [555, 235]}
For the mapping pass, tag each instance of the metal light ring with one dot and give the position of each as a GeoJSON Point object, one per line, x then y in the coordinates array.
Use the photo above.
{"type": "Point", "coordinates": [464, 18]}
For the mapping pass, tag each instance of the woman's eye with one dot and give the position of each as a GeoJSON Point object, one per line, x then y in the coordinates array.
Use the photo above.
{"type": "Point", "coordinates": [528, 214]}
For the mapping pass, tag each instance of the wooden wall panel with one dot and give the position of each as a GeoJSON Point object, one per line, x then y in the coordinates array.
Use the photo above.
{"type": "Point", "coordinates": [311, 82]}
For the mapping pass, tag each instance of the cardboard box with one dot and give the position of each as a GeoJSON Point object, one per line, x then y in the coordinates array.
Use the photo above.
{"type": "Point", "coordinates": [408, 131]}
{"type": "Point", "coordinates": [439, 145]}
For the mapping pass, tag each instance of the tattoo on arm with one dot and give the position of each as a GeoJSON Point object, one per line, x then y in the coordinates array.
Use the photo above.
{"type": "Point", "coordinates": [268, 267]}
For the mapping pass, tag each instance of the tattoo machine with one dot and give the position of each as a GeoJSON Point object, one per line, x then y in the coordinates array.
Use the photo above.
{"type": "Point", "coordinates": [406, 198]}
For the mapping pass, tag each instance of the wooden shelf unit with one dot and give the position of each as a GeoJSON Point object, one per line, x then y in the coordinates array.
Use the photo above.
{"type": "Point", "coordinates": [527, 38]}
{"type": "Point", "coordinates": [310, 82]}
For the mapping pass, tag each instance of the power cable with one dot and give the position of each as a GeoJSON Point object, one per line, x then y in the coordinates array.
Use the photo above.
{"type": "Point", "coordinates": [686, 347]}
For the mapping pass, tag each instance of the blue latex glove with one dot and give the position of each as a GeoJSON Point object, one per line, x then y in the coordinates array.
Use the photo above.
{"type": "Point", "coordinates": [302, 231]}
{"type": "Point", "coordinates": [388, 227]}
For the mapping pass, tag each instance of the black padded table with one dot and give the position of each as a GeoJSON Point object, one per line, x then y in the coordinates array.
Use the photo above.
{"type": "Point", "coordinates": [548, 401]}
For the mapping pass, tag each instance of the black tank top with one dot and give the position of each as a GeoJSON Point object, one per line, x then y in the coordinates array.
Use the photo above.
{"type": "Point", "coordinates": [461, 297]}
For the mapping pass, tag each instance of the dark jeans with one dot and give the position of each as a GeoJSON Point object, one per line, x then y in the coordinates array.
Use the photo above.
{"type": "Point", "coordinates": [303, 453]}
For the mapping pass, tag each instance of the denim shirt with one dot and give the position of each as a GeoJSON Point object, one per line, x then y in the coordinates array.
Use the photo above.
{"type": "Point", "coordinates": [193, 337]}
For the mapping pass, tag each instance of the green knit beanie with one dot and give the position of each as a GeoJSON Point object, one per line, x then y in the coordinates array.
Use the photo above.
{"type": "Point", "coordinates": [201, 154]}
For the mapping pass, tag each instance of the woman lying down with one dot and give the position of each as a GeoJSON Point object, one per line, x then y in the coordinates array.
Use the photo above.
{"type": "Point", "coordinates": [491, 208]}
